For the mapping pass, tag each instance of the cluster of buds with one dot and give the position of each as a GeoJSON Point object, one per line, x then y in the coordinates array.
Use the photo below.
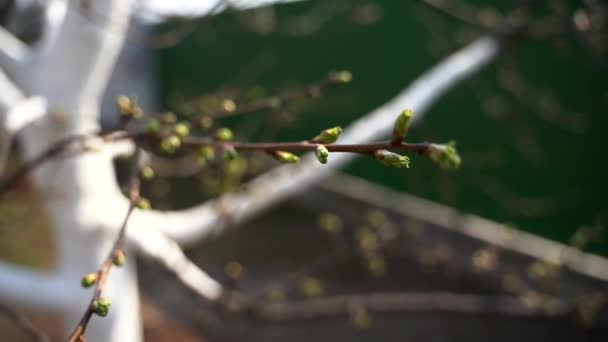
{"type": "Point", "coordinates": [101, 307]}
{"type": "Point", "coordinates": [128, 108]}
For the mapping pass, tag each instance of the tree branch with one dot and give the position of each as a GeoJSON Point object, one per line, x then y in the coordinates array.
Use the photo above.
{"type": "Point", "coordinates": [24, 324]}
{"type": "Point", "coordinates": [190, 225]}
{"type": "Point", "coordinates": [402, 302]}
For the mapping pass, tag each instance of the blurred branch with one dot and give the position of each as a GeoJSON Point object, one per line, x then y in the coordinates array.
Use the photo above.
{"type": "Point", "coordinates": [314, 308]}
{"type": "Point", "coordinates": [190, 225]}
{"type": "Point", "coordinates": [24, 324]}
{"type": "Point", "coordinates": [115, 257]}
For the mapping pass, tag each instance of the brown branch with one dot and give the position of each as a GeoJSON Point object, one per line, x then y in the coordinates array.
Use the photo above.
{"type": "Point", "coordinates": [24, 324]}
{"type": "Point", "coordinates": [55, 151]}
{"type": "Point", "coordinates": [118, 247]}
{"type": "Point", "coordinates": [305, 146]}
{"type": "Point", "coordinates": [402, 302]}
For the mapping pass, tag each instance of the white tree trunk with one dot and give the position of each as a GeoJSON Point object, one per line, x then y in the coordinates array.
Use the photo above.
{"type": "Point", "coordinates": [72, 73]}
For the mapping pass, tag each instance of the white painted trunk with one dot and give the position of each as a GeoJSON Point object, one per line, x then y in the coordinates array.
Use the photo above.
{"type": "Point", "coordinates": [72, 75]}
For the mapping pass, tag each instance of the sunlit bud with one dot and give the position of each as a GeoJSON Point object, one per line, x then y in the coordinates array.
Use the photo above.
{"type": "Point", "coordinates": [228, 105]}
{"type": "Point", "coordinates": [343, 76]}
{"type": "Point", "coordinates": [181, 129]}
{"type": "Point", "coordinates": [170, 144]}
{"type": "Point", "coordinates": [311, 287]}
{"type": "Point", "coordinates": [119, 258]}
{"type": "Point", "coordinates": [223, 134]}
{"type": "Point", "coordinates": [328, 136]}
{"type": "Point", "coordinates": [89, 279]}
{"type": "Point", "coordinates": [101, 307]}
{"type": "Point", "coordinates": [274, 103]}
{"type": "Point", "coordinates": [391, 159]}
{"type": "Point", "coordinates": [206, 153]}
{"type": "Point", "coordinates": [285, 157]}
{"type": "Point", "coordinates": [128, 108]}
{"type": "Point", "coordinates": [143, 204]}
{"type": "Point", "coordinates": [402, 124]}
{"type": "Point", "coordinates": [445, 156]}
{"type": "Point", "coordinates": [322, 153]}
{"type": "Point", "coordinates": [146, 173]}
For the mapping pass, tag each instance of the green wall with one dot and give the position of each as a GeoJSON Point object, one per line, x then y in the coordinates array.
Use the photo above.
{"type": "Point", "coordinates": [529, 161]}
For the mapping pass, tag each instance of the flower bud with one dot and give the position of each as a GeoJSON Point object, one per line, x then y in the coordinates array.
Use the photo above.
{"type": "Point", "coordinates": [223, 134]}
{"type": "Point", "coordinates": [128, 108]}
{"type": "Point", "coordinates": [89, 280]}
{"type": "Point", "coordinates": [146, 173]}
{"type": "Point", "coordinates": [274, 103]}
{"type": "Point", "coordinates": [322, 153]}
{"type": "Point", "coordinates": [101, 307]}
{"type": "Point", "coordinates": [119, 258]}
{"type": "Point", "coordinates": [170, 144]}
{"type": "Point", "coordinates": [328, 136]}
{"type": "Point", "coordinates": [391, 159]}
{"type": "Point", "coordinates": [445, 156]}
{"type": "Point", "coordinates": [181, 129]}
{"type": "Point", "coordinates": [341, 77]}
{"type": "Point", "coordinates": [143, 204]}
{"type": "Point", "coordinates": [285, 157]}
{"type": "Point", "coordinates": [402, 124]}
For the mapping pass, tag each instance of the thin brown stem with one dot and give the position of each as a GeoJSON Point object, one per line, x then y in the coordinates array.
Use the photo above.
{"type": "Point", "coordinates": [24, 324]}
{"type": "Point", "coordinates": [104, 270]}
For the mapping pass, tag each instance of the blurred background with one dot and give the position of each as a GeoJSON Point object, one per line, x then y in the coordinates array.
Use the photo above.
{"type": "Point", "coordinates": [530, 129]}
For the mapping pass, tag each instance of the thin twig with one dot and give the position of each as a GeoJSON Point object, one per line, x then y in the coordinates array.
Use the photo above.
{"type": "Point", "coordinates": [24, 324]}
{"type": "Point", "coordinates": [104, 270]}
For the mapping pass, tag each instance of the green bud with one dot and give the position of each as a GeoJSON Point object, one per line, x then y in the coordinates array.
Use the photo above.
{"type": "Point", "coordinates": [168, 118]}
{"type": "Point", "coordinates": [230, 154]}
{"type": "Point", "coordinates": [223, 134]}
{"type": "Point", "coordinates": [343, 76]}
{"type": "Point", "coordinates": [391, 159]}
{"type": "Point", "coordinates": [322, 153]}
{"type": "Point", "coordinates": [89, 280]}
{"type": "Point", "coordinates": [170, 144]}
{"type": "Point", "coordinates": [143, 204]}
{"type": "Point", "coordinates": [146, 173]}
{"type": "Point", "coordinates": [119, 258]}
{"type": "Point", "coordinates": [152, 126]}
{"type": "Point", "coordinates": [274, 103]}
{"type": "Point", "coordinates": [445, 156]}
{"type": "Point", "coordinates": [402, 124]}
{"type": "Point", "coordinates": [286, 157]}
{"type": "Point", "coordinates": [182, 130]}
{"type": "Point", "coordinates": [128, 108]}
{"type": "Point", "coordinates": [206, 153]}
{"type": "Point", "coordinates": [101, 307]}
{"type": "Point", "coordinates": [328, 136]}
